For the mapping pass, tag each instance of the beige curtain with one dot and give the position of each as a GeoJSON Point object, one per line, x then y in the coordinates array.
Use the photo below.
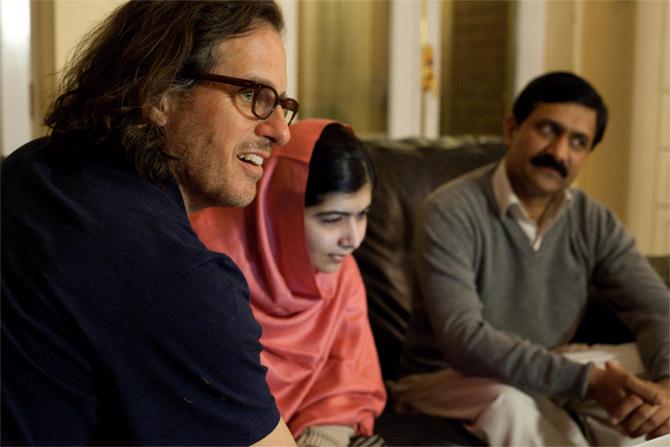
{"type": "Point", "coordinates": [343, 62]}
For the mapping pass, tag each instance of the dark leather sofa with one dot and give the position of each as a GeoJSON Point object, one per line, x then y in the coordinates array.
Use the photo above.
{"type": "Point", "coordinates": [407, 171]}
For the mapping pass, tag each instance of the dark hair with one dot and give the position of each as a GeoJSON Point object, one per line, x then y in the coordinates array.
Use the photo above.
{"type": "Point", "coordinates": [144, 50]}
{"type": "Point", "coordinates": [561, 86]}
{"type": "Point", "coordinates": [339, 164]}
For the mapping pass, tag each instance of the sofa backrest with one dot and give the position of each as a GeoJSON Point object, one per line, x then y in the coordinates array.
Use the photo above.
{"type": "Point", "coordinates": [407, 171]}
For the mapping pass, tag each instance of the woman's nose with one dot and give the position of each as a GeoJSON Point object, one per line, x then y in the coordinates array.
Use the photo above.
{"type": "Point", "coordinates": [353, 235]}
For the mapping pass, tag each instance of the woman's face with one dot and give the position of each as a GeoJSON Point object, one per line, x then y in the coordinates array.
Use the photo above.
{"type": "Point", "coordinates": [336, 227]}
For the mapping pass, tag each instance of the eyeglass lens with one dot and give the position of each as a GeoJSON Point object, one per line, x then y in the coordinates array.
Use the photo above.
{"type": "Point", "coordinates": [265, 103]}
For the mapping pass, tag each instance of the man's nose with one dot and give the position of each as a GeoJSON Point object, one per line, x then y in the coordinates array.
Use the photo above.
{"type": "Point", "coordinates": [560, 147]}
{"type": "Point", "coordinates": [275, 127]}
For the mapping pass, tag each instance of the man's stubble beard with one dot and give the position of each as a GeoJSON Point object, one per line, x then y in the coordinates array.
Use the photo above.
{"type": "Point", "coordinates": [202, 187]}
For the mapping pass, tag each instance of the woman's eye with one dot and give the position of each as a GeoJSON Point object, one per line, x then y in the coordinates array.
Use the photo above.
{"type": "Point", "coordinates": [330, 220]}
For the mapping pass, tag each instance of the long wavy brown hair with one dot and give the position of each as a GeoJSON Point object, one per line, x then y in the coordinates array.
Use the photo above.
{"type": "Point", "coordinates": [140, 53]}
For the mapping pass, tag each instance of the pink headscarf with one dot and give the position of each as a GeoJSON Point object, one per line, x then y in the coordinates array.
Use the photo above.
{"type": "Point", "coordinates": [321, 358]}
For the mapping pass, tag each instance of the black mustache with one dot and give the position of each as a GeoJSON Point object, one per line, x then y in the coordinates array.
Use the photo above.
{"type": "Point", "coordinates": [548, 161]}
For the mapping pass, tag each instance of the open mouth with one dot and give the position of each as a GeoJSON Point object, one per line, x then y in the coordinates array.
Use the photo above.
{"type": "Point", "coordinates": [253, 159]}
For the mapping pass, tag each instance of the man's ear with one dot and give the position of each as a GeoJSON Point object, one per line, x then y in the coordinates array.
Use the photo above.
{"type": "Point", "coordinates": [509, 126]}
{"type": "Point", "coordinates": [158, 117]}
{"type": "Point", "coordinates": [158, 114]}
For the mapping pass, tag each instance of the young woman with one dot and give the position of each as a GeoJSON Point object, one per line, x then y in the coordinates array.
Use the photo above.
{"type": "Point", "coordinates": [294, 246]}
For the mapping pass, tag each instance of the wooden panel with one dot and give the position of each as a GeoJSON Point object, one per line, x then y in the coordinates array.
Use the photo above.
{"type": "Point", "coordinates": [661, 239]}
{"type": "Point", "coordinates": [664, 120]}
{"type": "Point", "coordinates": [665, 73]}
{"type": "Point", "coordinates": [607, 31]}
{"type": "Point", "coordinates": [475, 75]}
{"type": "Point", "coordinates": [663, 179]}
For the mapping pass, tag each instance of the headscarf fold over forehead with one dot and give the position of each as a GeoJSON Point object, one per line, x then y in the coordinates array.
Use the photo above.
{"type": "Point", "coordinates": [321, 359]}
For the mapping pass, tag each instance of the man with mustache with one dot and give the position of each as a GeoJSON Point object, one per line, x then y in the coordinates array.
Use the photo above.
{"type": "Point", "coordinates": [507, 257]}
{"type": "Point", "coordinates": [118, 326]}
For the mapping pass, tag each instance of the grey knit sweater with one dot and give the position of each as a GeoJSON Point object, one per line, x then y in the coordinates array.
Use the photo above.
{"type": "Point", "coordinates": [492, 306]}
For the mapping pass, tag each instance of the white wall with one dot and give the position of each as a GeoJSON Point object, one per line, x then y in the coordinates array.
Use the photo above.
{"type": "Point", "coordinates": [529, 42]}
{"type": "Point", "coordinates": [15, 119]}
{"type": "Point", "coordinates": [290, 10]}
{"type": "Point", "coordinates": [412, 112]}
{"type": "Point", "coordinates": [649, 190]}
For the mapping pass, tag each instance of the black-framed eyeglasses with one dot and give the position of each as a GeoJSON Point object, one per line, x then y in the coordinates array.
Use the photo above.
{"type": "Point", "coordinates": [264, 98]}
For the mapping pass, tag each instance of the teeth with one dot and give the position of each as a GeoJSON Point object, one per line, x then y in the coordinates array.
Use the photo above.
{"type": "Point", "coordinates": [252, 158]}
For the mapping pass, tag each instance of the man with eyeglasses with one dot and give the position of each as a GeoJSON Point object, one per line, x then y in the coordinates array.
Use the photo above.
{"type": "Point", "coordinates": [118, 326]}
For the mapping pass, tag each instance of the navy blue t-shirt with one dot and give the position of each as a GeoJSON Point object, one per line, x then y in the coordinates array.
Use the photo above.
{"type": "Point", "coordinates": [118, 325]}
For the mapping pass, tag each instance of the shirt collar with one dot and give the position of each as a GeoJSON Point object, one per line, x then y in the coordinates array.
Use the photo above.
{"type": "Point", "coordinates": [506, 197]}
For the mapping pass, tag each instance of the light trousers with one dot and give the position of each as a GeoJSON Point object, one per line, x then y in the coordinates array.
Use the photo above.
{"type": "Point", "coordinates": [502, 415]}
